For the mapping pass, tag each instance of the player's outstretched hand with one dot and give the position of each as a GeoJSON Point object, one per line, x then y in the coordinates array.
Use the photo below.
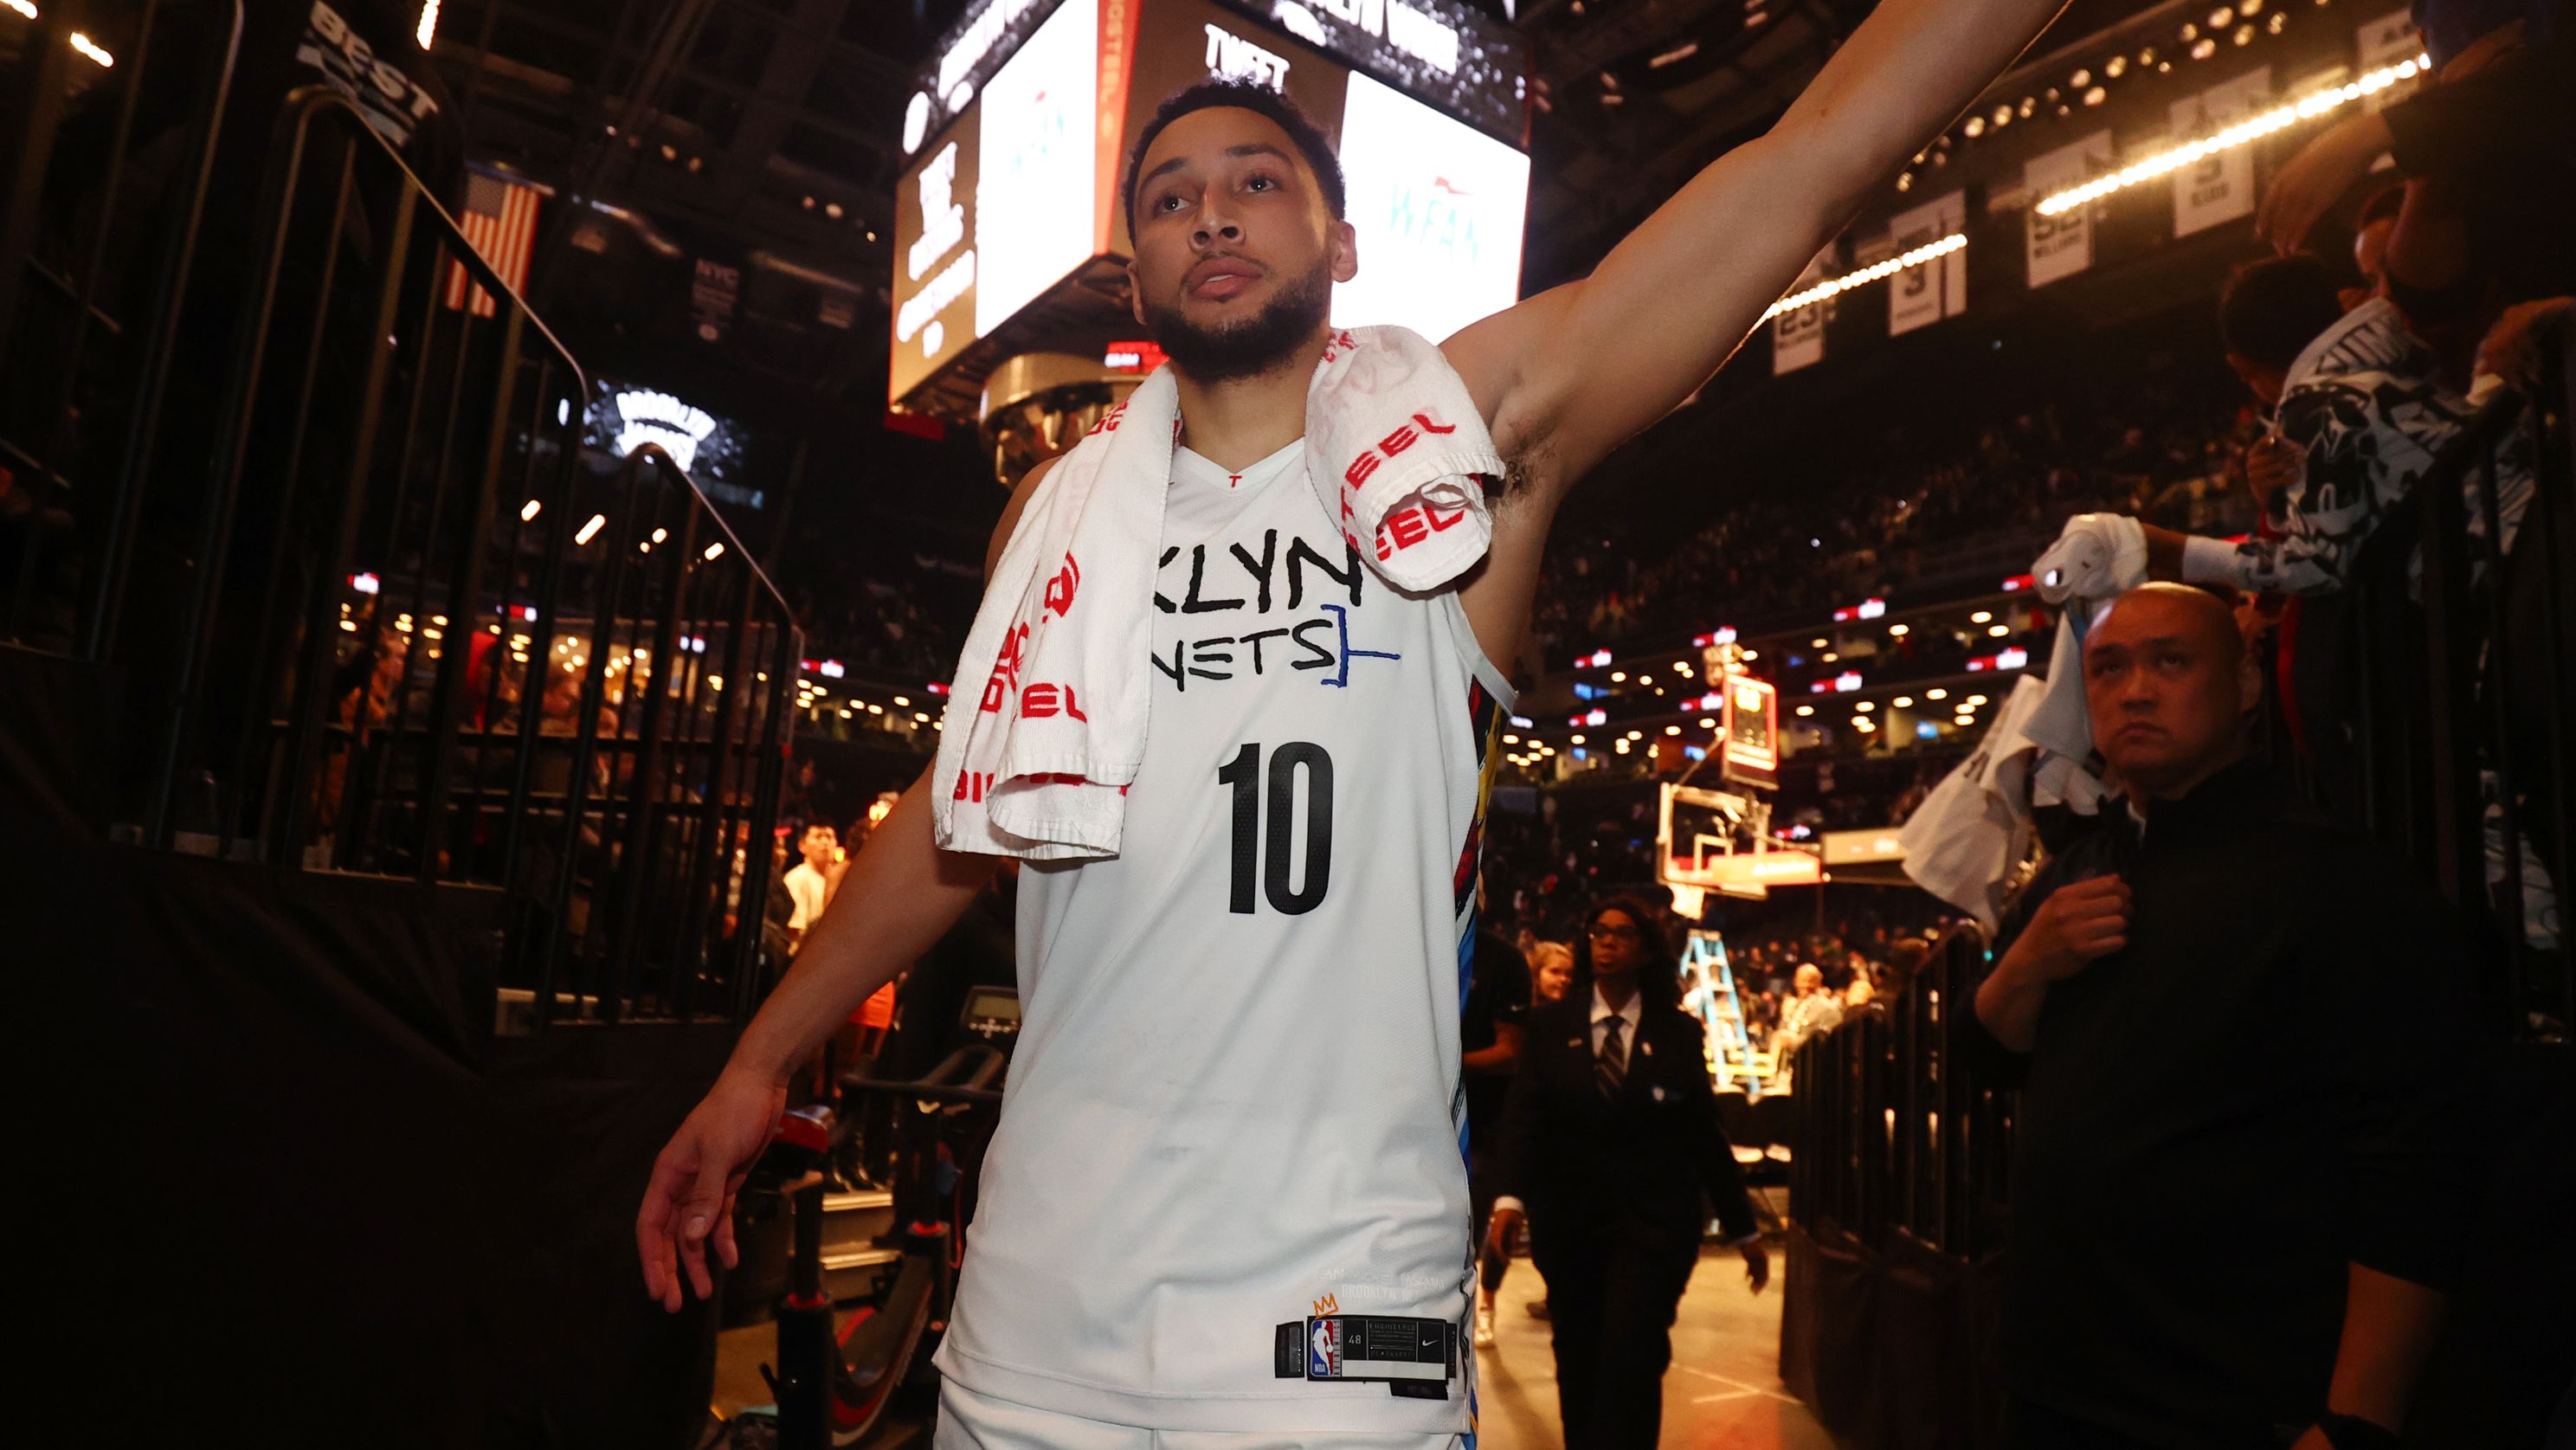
{"type": "Point", "coordinates": [1757, 1264]}
{"type": "Point", "coordinates": [690, 1197]}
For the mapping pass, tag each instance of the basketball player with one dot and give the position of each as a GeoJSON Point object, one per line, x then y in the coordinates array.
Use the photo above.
{"type": "Point", "coordinates": [1233, 1101]}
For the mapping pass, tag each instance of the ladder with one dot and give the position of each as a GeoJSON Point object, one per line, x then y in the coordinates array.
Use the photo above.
{"type": "Point", "coordinates": [1708, 989]}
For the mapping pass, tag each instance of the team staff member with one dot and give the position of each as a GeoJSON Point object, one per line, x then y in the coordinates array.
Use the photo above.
{"type": "Point", "coordinates": [1230, 1109]}
{"type": "Point", "coordinates": [1611, 1141]}
{"type": "Point", "coordinates": [2244, 1029]}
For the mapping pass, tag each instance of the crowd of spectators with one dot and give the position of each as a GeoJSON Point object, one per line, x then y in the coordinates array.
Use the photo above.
{"type": "Point", "coordinates": [1888, 522]}
{"type": "Point", "coordinates": [901, 626]}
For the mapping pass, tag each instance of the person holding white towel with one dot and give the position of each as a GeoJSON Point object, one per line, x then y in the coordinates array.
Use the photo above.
{"type": "Point", "coordinates": [1232, 696]}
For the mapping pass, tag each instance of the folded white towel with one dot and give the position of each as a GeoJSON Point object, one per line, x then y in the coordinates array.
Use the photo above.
{"type": "Point", "coordinates": [1963, 843]}
{"type": "Point", "coordinates": [1047, 718]}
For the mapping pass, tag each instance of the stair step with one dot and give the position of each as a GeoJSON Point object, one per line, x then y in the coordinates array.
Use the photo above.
{"type": "Point", "coordinates": [851, 1220]}
{"type": "Point", "coordinates": [855, 1272]}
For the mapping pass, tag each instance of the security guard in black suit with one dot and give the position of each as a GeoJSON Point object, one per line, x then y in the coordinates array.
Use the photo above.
{"type": "Point", "coordinates": [1611, 1144]}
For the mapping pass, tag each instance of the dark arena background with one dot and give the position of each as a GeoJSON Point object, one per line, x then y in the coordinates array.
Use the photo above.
{"type": "Point", "coordinates": [483, 481]}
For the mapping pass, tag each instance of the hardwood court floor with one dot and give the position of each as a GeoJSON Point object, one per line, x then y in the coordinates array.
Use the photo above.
{"type": "Point", "coordinates": [1722, 1393]}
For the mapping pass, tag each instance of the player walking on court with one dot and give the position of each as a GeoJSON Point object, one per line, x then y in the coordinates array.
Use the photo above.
{"type": "Point", "coordinates": [1226, 1207]}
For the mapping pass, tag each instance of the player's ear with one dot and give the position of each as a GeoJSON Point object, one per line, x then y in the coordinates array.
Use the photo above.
{"type": "Point", "coordinates": [1135, 293]}
{"type": "Point", "coordinates": [1343, 241]}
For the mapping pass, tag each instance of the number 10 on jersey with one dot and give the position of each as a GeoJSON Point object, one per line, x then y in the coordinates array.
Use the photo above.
{"type": "Point", "coordinates": [1266, 853]}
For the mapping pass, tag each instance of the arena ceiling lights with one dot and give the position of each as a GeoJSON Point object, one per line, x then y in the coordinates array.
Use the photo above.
{"type": "Point", "coordinates": [2250, 129]}
{"type": "Point", "coordinates": [1833, 286]}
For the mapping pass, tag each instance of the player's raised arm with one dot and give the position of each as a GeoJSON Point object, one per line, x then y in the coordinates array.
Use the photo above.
{"type": "Point", "coordinates": [1570, 374]}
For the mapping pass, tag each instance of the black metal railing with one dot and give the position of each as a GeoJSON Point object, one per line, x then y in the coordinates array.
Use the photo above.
{"type": "Point", "coordinates": [376, 611]}
{"type": "Point", "coordinates": [2449, 737]}
{"type": "Point", "coordinates": [99, 231]}
{"type": "Point", "coordinates": [1896, 1132]}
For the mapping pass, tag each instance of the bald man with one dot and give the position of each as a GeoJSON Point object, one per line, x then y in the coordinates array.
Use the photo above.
{"type": "Point", "coordinates": [2242, 1033]}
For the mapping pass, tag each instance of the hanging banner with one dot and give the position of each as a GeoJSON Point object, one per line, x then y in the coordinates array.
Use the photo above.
{"type": "Point", "coordinates": [2217, 188]}
{"type": "Point", "coordinates": [2062, 245]}
{"type": "Point", "coordinates": [1934, 290]}
{"type": "Point", "coordinates": [1798, 337]}
{"type": "Point", "coordinates": [714, 292]}
{"type": "Point", "coordinates": [2385, 42]}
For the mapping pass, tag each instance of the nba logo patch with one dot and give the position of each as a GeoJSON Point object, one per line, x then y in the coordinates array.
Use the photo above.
{"type": "Point", "coordinates": [1323, 1349]}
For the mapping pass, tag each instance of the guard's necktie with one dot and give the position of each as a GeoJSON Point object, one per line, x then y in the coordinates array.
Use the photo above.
{"type": "Point", "coordinates": [1610, 1066]}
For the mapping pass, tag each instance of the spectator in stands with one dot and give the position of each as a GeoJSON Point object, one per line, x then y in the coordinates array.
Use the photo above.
{"type": "Point", "coordinates": [1551, 970]}
{"type": "Point", "coordinates": [1810, 1010]}
{"type": "Point", "coordinates": [810, 880]}
{"type": "Point", "coordinates": [2358, 399]}
{"type": "Point", "coordinates": [2488, 153]}
{"type": "Point", "coordinates": [2225, 1204]}
{"type": "Point", "coordinates": [1611, 1139]}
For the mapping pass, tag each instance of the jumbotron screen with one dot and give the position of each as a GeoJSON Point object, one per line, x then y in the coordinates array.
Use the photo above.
{"type": "Point", "coordinates": [1018, 130]}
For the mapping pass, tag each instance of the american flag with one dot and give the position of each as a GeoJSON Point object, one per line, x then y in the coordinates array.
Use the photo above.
{"type": "Point", "coordinates": [501, 223]}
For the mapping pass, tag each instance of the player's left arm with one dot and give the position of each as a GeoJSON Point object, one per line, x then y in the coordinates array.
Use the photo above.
{"type": "Point", "coordinates": [1570, 374]}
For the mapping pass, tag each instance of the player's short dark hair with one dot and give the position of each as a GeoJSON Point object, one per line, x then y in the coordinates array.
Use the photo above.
{"type": "Point", "coordinates": [2272, 309]}
{"type": "Point", "coordinates": [1243, 95]}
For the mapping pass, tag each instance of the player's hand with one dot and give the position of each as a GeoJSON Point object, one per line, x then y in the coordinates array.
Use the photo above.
{"type": "Point", "coordinates": [2315, 179]}
{"type": "Point", "coordinates": [1498, 1233]}
{"type": "Point", "coordinates": [1757, 1264]}
{"type": "Point", "coordinates": [2272, 463]}
{"type": "Point", "coordinates": [2096, 556]}
{"type": "Point", "coordinates": [2074, 927]}
{"type": "Point", "coordinates": [690, 1197]}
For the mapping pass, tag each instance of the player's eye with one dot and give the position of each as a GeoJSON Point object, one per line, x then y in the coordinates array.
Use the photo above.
{"type": "Point", "coordinates": [1262, 180]}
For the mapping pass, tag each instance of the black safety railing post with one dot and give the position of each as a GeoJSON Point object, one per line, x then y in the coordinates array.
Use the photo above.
{"type": "Point", "coordinates": [2552, 522]}
{"type": "Point", "coordinates": [463, 594]}
{"type": "Point", "coordinates": [637, 865]}
{"type": "Point", "coordinates": [2498, 678]}
{"type": "Point", "coordinates": [143, 433]}
{"type": "Point", "coordinates": [321, 628]}
{"type": "Point", "coordinates": [608, 593]}
{"type": "Point", "coordinates": [540, 675]}
{"type": "Point", "coordinates": [452, 635]}
{"type": "Point", "coordinates": [64, 374]}
{"type": "Point", "coordinates": [33, 116]}
{"type": "Point", "coordinates": [2453, 801]}
{"type": "Point", "coordinates": [275, 572]}
{"type": "Point", "coordinates": [275, 214]}
{"type": "Point", "coordinates": [773, 771]}
{"type": "Point", "coordinates": [714, 836]}
{"type": "Point", "coordinates": [454, 666]}
{"type": "Point", "coordinates": [556, 504]}
{"type": "Point", "coordinates": [640, 512]}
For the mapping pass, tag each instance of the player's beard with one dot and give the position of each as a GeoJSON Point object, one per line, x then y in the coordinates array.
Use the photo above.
{"type": "Point", "coordinates": [1248, 347]}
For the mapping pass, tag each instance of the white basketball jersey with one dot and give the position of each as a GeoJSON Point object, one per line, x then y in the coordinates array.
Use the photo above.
{"type": "Point", "coordinates": [1236, 1100]}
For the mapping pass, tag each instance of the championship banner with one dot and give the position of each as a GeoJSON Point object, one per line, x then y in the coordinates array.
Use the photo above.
{"type": "Point", "coordinates": [2385, 42]}
{"type": "Point", "coordinates": [1927, 293]}
{"type": "Point", "coordinates": [2062, 245]}
{"type": "Point", "coordinates": [1798, 338]}
{"type": "Point", "coordinates": [2217, 188]}
{"type": "Point", "coordinates": [714, 292]}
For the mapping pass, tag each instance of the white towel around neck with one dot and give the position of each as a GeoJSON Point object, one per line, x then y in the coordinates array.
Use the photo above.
{"type": "Point", "coordinates": [1047, 717]}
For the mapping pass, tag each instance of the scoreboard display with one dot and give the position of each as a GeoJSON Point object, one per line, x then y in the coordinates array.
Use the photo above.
{"type": "Point", "coordinates": [1017, 129]}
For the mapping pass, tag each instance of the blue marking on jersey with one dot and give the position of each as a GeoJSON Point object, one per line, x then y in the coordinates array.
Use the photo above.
{"type": "Point", "coordinates": [1342, 624]}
